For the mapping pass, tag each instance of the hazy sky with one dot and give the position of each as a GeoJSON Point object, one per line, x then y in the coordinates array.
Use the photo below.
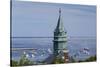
{"type": "Point", "coordinates": [40, 19]}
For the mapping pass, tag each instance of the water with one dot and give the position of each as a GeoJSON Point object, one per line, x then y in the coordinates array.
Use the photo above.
{"type": "Point", "coordinates": [75, 46]}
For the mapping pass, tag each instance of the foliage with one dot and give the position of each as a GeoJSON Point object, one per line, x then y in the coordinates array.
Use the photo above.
{"type": "Point", "coordinates": [14, 63]}
{"type": "Point", "coordinates": [24, 61]}
{"type": "Point", "coordinates": [92, 58]}
{"type": "Point", "coordinates": [58, 60]}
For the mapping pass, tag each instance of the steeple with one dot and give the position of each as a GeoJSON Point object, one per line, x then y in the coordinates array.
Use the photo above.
{"type": "Point", "coordinates": [60, 41]}
{"type": "Point", "coordinates": [60, 27]}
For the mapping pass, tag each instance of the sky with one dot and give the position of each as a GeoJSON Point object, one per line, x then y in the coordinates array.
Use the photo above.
{"type": "Point", "coordinates": [37, 19]}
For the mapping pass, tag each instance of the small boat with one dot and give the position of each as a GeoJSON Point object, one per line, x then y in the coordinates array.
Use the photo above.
{"type": "Point", "coordinates": [33, 55]}
{"type": "Point", "coordinates": [49, 50]}
{"type": "Point", "coordinates": [27, 56]}
{"type": "Point", "coordinates": [85, 51]}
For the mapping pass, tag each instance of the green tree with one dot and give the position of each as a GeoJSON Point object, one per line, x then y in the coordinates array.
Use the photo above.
{"type": "Point", "coordinates": [14, 63]}
{"type": "Point", "coordinates": [24, 61]}
{"type": "Point", "coordinates": [58, 60]}
{"type": "Point", "coordinates": [92, 58]}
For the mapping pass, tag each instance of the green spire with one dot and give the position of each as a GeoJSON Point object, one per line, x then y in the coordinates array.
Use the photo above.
{"type": "Point", "coordinates": [60, 27]}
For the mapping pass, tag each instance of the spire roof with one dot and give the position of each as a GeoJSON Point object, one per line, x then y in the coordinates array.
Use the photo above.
{"type": "Point", "coordinates": [60, 26]}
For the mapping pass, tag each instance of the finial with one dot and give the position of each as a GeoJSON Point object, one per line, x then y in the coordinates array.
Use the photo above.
{"type": "Point", "coordinates": [59, 10]}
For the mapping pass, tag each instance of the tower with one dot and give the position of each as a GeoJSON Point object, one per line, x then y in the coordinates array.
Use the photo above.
{"type": "Point", "coordinates": [60, 40]}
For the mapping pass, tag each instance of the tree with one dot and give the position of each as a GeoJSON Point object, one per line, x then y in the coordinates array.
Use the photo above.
{"type": "Point", "coordinates": [14, 63]}
{"type": "Point", "coordinates": [24, 61]}
{"type": "Point", "coordinates": [58, 60]}
{"type": "Point", "coordinates": [92, 58]}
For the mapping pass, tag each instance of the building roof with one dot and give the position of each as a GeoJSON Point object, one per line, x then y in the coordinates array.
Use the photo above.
{"type": "Point", "coordinates": [59, 27]}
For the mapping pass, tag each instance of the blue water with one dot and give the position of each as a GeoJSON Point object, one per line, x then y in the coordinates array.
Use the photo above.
{"type": "Point", "coordinates": [74, 45]}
